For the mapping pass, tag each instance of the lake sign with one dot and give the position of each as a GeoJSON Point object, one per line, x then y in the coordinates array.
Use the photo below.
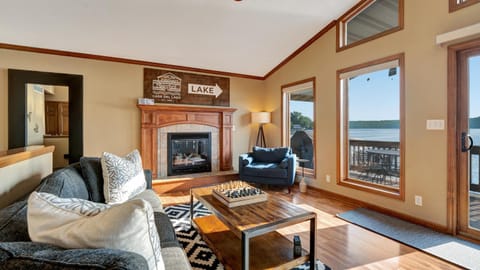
{"type": "Point", "coordinates": [209, 90]}
{"type": "Point", "coordinates": [175, 87]}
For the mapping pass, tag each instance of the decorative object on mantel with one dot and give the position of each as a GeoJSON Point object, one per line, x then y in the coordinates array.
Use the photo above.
{"type": "Point", "coordinates": [165, 86]}
{"type": "Point", "coordinates": [261, 118]}
{"type": "Point", "coordinates": [238, 193]}
{"type": "Point", "coordinates": [146, 101]}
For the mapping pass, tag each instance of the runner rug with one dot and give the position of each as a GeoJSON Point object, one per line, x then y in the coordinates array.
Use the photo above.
{"type": "Point", "coordinates": [444, 246]}
{"type": "Point", "coordinates": [198, 252]}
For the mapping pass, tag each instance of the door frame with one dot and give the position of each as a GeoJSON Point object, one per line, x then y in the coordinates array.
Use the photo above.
{"type": "Point", "coordinates": [454, 191]}
{"type": "Point", "coordinates": [17, 102]}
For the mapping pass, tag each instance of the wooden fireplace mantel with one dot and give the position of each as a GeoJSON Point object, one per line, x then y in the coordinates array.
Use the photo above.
{"type": "Point", "coordinates": [154, 117]}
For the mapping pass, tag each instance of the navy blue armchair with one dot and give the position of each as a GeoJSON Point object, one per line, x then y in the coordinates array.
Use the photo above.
{"type": "Point", "coordinates": [271, 166]}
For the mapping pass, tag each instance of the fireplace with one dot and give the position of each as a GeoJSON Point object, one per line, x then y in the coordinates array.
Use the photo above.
{"type": "Point", "coordinates": [189, 153]}
{"type": "Point", "coordinates": [157, 121]}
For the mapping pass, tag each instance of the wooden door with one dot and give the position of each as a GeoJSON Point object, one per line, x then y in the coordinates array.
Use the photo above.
{"type": "Point", "coordinates": [468, 138]}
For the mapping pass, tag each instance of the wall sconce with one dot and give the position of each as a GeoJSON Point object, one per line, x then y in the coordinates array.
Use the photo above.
{"type": "Point", "coordinates": [261, 118]}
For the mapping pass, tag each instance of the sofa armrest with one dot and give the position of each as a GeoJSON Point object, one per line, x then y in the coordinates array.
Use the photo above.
{"type": "Point", "coordinates": [31, 255]}
{"type": "Point", "coordinates": [244, 160]}
{"type": "Point", "coordinates": [148, 178]}
{"type": "Point", "coordinates": [292, 167]}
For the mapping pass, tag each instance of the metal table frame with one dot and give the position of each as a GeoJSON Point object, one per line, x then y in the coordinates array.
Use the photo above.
{"type": "Point", "coordinates": [266, 228]}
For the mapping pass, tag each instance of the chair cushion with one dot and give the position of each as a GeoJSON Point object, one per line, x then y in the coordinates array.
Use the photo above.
{"type": "Point", "coordinates": [151, 197]}
{"type": "Point", "coordinates": [270, 155]}
{"type": "Point", "coordinates": [13, 222]}
{"type": "Point", "coordinates": [31, 255]}
{"type": "Point", "coordinates": [93, 175]}
{"type": "Point", "coordinates": [175, 258]}
{"type": "Point", "coordinates": [65, 183]}
{"type": "Point", "coordinates": [269, 170]}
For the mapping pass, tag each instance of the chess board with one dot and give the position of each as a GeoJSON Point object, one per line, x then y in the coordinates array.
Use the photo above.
{"type": "Point", "coordinates": [238, 193]}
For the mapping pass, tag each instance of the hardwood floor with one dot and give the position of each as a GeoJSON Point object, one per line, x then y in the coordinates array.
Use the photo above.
{"type": "Point", "coordinates": [342, 245]}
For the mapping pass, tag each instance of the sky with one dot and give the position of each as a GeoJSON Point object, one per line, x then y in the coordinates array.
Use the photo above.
{"type": "Point", "coordinates": [305, 108]}
{"type": "Point", "coordinates": [374, 96]}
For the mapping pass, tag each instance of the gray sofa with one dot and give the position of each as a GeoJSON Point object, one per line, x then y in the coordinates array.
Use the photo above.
{"type": "Point", "coordinates": [81, 180]}
{"type": "Point", "coordinates": [271, 166]}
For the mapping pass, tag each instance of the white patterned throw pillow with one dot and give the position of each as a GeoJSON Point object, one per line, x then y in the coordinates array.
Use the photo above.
{"type": "Point", "coordinates": [77, 223]}
{"type": "Point", "coordinates": [123, 177]}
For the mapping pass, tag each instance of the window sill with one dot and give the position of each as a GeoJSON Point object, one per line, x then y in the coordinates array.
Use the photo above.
{"type": "Point", "coordinates": [377, 189]}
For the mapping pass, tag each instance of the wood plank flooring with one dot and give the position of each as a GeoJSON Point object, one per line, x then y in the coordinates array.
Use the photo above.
{"type": "Point", "coordinates": [342, 245]}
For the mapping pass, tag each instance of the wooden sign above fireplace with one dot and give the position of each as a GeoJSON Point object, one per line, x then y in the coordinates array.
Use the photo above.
{"type": "Point", "coordinates": [165, 86]}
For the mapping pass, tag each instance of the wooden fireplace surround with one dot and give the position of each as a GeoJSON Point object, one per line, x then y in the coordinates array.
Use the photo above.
{"type": "Point", "coordinates": [154, 117]}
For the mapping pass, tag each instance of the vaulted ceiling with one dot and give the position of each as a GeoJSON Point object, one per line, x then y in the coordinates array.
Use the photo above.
{"type": "Point", "coordinates": [247, 37]}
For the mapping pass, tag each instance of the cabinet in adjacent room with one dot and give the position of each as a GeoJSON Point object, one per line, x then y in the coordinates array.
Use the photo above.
{"type": "Point", "coordinates": [56, 118]}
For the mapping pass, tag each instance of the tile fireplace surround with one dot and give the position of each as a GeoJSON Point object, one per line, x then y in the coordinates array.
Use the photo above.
{"type": "Point", "coordinates": [157, 120]}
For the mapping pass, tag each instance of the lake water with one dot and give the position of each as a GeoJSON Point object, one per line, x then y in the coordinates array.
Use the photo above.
{"type": "Point", "coordinates": [393, 135]}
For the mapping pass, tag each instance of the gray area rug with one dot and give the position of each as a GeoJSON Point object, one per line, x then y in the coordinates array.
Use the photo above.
{"type": "Point", "coordinates": [452, 249]}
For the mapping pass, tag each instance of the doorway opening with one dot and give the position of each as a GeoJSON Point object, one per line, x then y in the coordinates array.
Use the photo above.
{"type": "Point", "coordinates": [18, 114]}
{"type": "Point", "coordinates": [47, 120]}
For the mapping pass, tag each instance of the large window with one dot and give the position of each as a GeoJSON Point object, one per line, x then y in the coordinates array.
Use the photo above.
{"type": "Point", "coordinates": [368, 20]}
{"type": "Point", "coordinates": [298, 121]}
{"type": "Point", "coordinates": [458, 4]}
{"type": "Point", "coordinates": [371, 126]}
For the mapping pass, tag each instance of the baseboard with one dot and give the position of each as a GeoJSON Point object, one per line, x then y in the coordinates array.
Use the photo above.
{"type": "Point", "coordinates": [186, 182]}
{"type": "Point", "coordinates": [412, 219]}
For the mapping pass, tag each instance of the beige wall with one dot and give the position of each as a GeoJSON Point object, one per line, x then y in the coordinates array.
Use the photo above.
{"type": "Point", "coordinates": [426, 98]}
{"type": "Point", "coordinates": [61, 94]}
{"type": "Point", "coordinates": [111, 118]}
{"type": "Point", "coordinates": [61, 148]}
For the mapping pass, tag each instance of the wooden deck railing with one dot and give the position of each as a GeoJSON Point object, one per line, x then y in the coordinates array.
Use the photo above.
{"type": "Point", "coordinates": [361, 165]}
{"type": "Point", "coordinates": [475, 168]}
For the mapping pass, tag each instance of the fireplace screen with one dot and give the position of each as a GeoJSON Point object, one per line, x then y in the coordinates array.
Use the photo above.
{"type": "Point", "coordinates": [189, 153]}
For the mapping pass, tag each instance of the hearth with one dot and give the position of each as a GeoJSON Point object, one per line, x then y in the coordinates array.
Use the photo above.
{"type": "Point", "coordinates": [189, 153]}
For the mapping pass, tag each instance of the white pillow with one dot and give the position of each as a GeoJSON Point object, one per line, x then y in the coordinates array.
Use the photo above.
{"type": "Point", "coordinates": [77, 223]}
{"type": "Point", "coordinates": [123, 177]}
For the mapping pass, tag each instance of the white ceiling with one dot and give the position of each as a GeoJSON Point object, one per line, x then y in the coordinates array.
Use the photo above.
{"type": "Point", "coordinates": [248, 37]}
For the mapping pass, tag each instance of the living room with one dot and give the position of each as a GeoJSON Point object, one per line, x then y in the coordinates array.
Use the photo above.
{"type": "Point", "coordinates": [112, 86]}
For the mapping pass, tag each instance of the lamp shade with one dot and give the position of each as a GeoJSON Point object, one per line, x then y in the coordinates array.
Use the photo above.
{"type": "Point", "coordinates": [261, 117]}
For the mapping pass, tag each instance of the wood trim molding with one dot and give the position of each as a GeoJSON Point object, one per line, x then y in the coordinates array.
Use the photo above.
{"type": "Point", "coordinates": [16, 155]}
{"type": "Point", "coordinates": [154, 117]}
{"type": "Point", "coordinates": [383, 210]}
{"type": "Point", "coordinates": [308, 172]}
{"type": "Point", "coordinates": [354, 11]}
{"type": "Point", "coordinates": [453, 6]}
{"type": "Point", "coordinates": [301, 49]}
{"type": "Point", "coordinates": [342, 124]}
{"type": "Point", "coordinates": [124, 60]}
{"type": "Point", "coordinates": [453, 165]}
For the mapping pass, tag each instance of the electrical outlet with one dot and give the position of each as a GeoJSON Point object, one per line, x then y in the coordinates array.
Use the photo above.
{"type": "Point", "coordinates": [418, 200]}
{"type": "Point", "coordinates": [327, 178]}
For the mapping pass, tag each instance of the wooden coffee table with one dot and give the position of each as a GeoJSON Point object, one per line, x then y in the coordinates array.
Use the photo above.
{"type": "Point", "coordinates": [234, 233]}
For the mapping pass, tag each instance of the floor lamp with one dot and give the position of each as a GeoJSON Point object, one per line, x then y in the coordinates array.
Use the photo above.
{"type": "Point", "coordinates": [260, 118]}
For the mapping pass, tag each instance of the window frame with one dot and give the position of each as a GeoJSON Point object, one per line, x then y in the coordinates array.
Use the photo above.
{"type": "Point", "coordinates": [454, 6]}
{"type": "Point", "coordinates": [286, 121]}
{"type": "Point", "coordinates": [354, 11]}
{"type": "Point", "coordinates": [342, 129]}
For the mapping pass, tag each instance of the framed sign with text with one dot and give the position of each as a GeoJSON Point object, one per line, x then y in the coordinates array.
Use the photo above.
{"type": "Point", "coordinates": [165, 86]}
